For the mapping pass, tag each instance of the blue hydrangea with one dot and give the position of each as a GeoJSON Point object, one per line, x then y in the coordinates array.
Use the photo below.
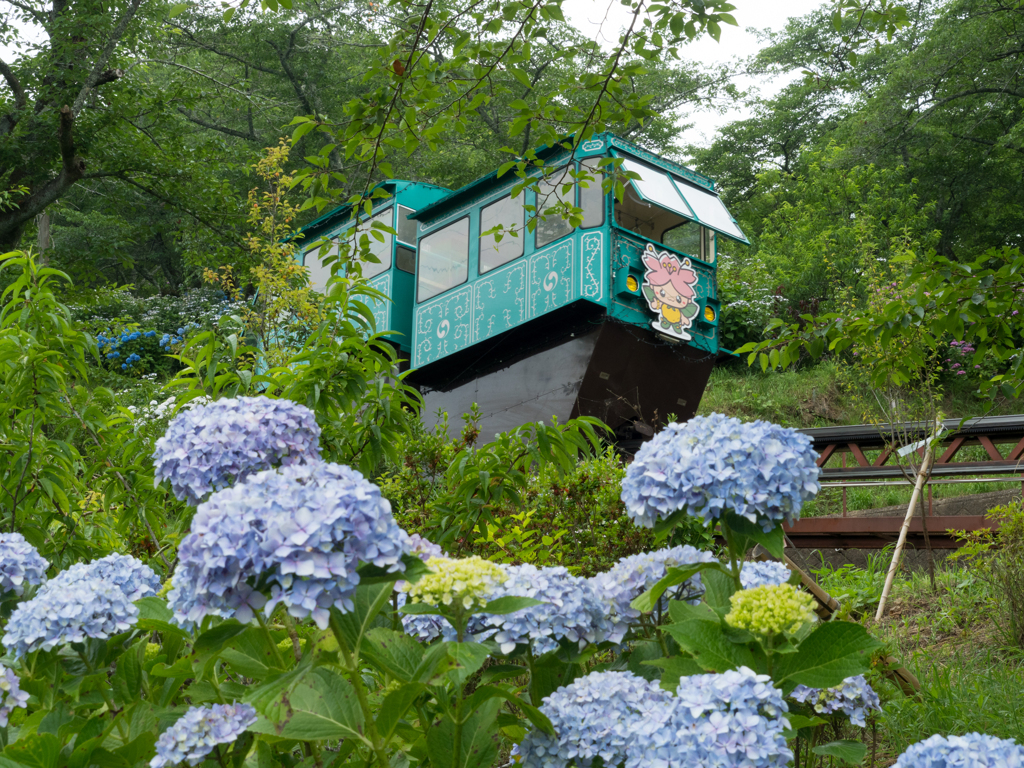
{"type": "Point", "coordinates": [734, 720]}
{"type": "Point", "coordinates": [135, 578]}
{"type": "Point", "coordinates": [760, 573]}
{"type": "Point", "coordinates": [299, 532]}
{"type": "Point", "coordinates": [632, 576]}
{"type": "Point", "coordinates": [760, 471]}
{"type": "Point", "coordinates": [853, 697]}
{"type": "Point", "coordinates": [11, 695]}
{"type": "Point", "coordinates": [571, 610]}
{"type": "Point", "coordinates": [212, 446]}
{"type": "Point", "coordinates": [198, 731]}
{"type": "Point", "coordinates": [20, 564]}
{"type": "Point", "coordinates": [595, 716]}
{"type": "Point", "coordinates": [423, 548]}
{"type": "Point", "coordinates": [84, 608]}
{"type": "Point", "coordinates": [973, 750]}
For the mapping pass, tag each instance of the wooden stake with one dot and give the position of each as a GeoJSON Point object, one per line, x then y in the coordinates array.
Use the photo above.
{"type": "Point", "coordinates": [902, 540]}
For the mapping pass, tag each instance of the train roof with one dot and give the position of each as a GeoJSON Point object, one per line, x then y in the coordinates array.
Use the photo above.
{"type": "Point", "coordinates": [343, 212]}
{"type": "Point", "coordinates": [491, 179]}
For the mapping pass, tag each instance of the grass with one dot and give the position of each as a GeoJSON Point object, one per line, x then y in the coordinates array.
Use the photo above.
{"type": "Point", "coordinates": [970, 681]}
{"type": "Point", "coordinates": [814, 397]}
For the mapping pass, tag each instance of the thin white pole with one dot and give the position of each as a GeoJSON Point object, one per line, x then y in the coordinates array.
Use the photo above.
{"type": "Point", "coordinates": [902, 540]}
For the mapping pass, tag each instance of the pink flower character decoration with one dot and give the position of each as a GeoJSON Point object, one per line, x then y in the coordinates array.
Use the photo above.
{"type": "Point", "coordinates": [667, 290]}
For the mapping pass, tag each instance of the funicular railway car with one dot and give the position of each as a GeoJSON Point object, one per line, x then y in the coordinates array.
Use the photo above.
{"type": "Point", "coordinates": [616, 318]}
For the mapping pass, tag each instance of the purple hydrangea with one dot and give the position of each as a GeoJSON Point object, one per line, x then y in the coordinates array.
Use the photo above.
{"type": "Point", "coordinates": [734, 720]}
{"type": "Point", "coordinates": [595, 716]}
{"type": "Point", "coordinates": [571, 609]}
{"type": "Point", "coordinates": [212, 446]}
{"type": "Point", "coordinates": [973, 750]}
{"type": "Point", "coordinates": [632, 576]}
{"type": "Point", "coordinates": [135, 578]}
{"type": "Point", "coordinates": [301, 530]}
{"type": "Point", "coordinates": [20, 564]}
{"type": "Point", "coordinates": [760, 471]}
{"type": "Point", "coordinates": [423, 548]}
{"type": "Point", "coordinates": [761, 573]}
{"type": "Point", "coordinates": [87, 607]}
{"type": "Point", "coordinates": [199, 730]}
{"type": "Point", "coordinates": [853, 697]}
{"type": "Point", "coordinates": [11, 695]}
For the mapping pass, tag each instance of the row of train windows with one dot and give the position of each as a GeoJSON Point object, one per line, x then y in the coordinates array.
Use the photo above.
{"type": "Point", "coordinates": [444, 254]}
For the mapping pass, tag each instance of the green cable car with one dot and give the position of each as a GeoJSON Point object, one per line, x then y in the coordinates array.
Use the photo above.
{"type": "Point", "coordinates": [616, 318]}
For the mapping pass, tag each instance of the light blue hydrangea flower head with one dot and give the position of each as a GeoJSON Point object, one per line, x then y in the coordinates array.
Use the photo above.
{"type": "Point", "coordinates": [972, 750]}
{"type": "Point", "coordinates": [88, 607]}
{"type": "Point", "coordinates": [20, 564]}
{"type": "Point", "coordinates": [571, 609]}
{"type": "Point", "coordinates": [853, 697]}
{"type": "Point", "coordinates": [135, 578]}
{"type": "Point", "coordinates": [198, 731]}
{"type": "Point", "coordinates": [595, 716]}
{"type": "Point", "coordinates": [735, 720]}
{"type": "Point", "coordinates": [761, 573]}
{"type": "Point", "coordinates": [758, 470]}
{"type": "Point", "coordinates": [302, 530]}
{"type": "Point", "coordinates": [633, 575]}
{"type": "Point", "coordinates": [211, 446]}
{"type": "Point", "coordinates": [11, 695]}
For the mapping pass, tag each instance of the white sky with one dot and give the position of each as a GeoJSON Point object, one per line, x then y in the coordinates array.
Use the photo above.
{"type": "Point", "coordinates": [604, 19]}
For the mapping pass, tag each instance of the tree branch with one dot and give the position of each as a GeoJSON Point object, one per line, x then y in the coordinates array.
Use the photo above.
{"type": "Point", "coordinates": [100, 74]}
{"type": "Point", "coordinates": [250, 136]}
{"type": "Point", "coordinates": [8, 121]}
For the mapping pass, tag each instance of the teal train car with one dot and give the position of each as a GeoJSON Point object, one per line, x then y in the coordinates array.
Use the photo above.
{"type": "Point", "coordinates": [616, 318]}
{"type": "Point", "coordinates": [393, 274]}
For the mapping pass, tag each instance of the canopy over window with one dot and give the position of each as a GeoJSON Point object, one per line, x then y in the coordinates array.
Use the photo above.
{"type": "Point", "coordinates": [672, 192]}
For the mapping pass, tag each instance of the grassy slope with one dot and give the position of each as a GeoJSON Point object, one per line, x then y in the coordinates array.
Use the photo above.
{"type": "Point", "coordinates": [970, 679]}
{"type": "Point", "coordinates": [814, 397]}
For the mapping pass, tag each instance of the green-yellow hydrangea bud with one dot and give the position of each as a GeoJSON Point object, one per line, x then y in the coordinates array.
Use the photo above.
{"type": "Point", "coordinates": [167, 586]}
{"type": "Point", "coordinates": [465, 582]}
{"type": "Point", "coordinates": [287, 646]}
{"type": "Point", "coordinates": [153, 650]}
{"type": "Point", "coordinates": [769, 610]}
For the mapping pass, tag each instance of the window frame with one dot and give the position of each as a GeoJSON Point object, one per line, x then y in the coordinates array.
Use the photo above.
{"type": "Point", "coordinates": [419, 257]}
{"type": "Point", "coordinates": [599, 174]}
{"type": "Point", "coordinates": [480, 237]}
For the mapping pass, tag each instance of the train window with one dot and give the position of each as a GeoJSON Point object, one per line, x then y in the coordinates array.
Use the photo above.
{"type": "Point", "coordinates": [381, 250]}
{"type": "Point", "coordinates": [405, 259]}
{"type": "Point", "coordinates": [509, 213]}
{"type": "Point", "coordinates": [320, 273]}
{"type": "Point", "coordinates": [443, 260]}
{"type": "Point", "coordinates": [406, 227]}
{"type": "Point", "coordinates": [643, 218]}
{"type": "Point", "coordinates": [709, 209]}
{"type": "Point", "coordinates": [549, 194]}
{"type": "Point", "coordinates": [685, 238]}
{"type": "Point", "coordinates": [709, 246]}
{"type": "Point", "coordinates": [592, 195]}
{"type": "Point", "coordinates": [655, 187]}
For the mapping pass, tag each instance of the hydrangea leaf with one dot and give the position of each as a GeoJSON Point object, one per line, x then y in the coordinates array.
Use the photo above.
{"type": "Point", "coordinates": [37, 750]}
{"type": "Point", "coordinates": [711, 649]}
{"type": "Point", "coordinates": [771, 541]}
{"type": "Point", "coordinates": [478, 748]}
{"type": "Point", "coordinates": [830, 654]}
{"type": "Point", "coordinates": [719, 586]}
{"type": "Point", "coordinates": [663, 528]}
{"type": "Point", "coordinates": [137, 749]}
{"type": "Point", "coordinates": [847, 751]}
{"type": "Point", "coordinates": [394, 707]}
{"type": "Point", "coordinates": [646, 602]}
{"type": "Point", "coordinates": [486, 692]}
{"type": "Point", "coordinates": [640, 657]}
{"type": "Point", "coordinates": [680, 610]}
{"type": "Point", "coordinates": [322, 706]}
{"type": "Point", "coordinates": [249, 654]}
{"type": "Point", "coordinates": [126, 681]}
{"type": "Point", "coordinates": [392, 652]}
{"type": "Point", "coordinates": [214, 639]}
{"type": "Point", "coordinates": [266, 696]}
{"type": "Point", "coordinates": [675, 668]}
{"type": "Point", "coordinates": [367, 601]}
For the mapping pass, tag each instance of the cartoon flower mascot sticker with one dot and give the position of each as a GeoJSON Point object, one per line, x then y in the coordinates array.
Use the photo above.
{"type": "Point", "coordinates": [667, 290]}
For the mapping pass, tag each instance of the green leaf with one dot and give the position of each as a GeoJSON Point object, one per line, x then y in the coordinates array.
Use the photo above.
{"type": "Point", "coordinates": [322, 706]}
{"type": "Point", "coordinates": [126, 681]}
{"type": "Point", "coordinates": [771, 541]}
{"type": "Point", "coordinates": [719, 587]}
{"type": "Point", "coordinates": [394, 707]}
{"type": "Point", "coordinates": [479, 740]}
{"type": "Point", "coordinates": [830, 654]}
{"type": "Point", "coordinates": [509, 604]}
{"type": "Point", "coordinates": [847, 751]}
{"type": "Point", "coordinates": [646, 602]}
{"type": "Point", "coordinates": [641, 657]}
{"type": "Point", "coordinates": [797, 722]}
{"type": "Point", "coordinates": [709, 646]}
{"type": "Point", "coordinates": [138, 749]}
{"type": "Point", "coordinates": [367, 603]}
{"type": "Point", "coordinates": [392, 652]}
{"type": "Point", "coordinates": [250, 654]}
{"type": "Point", "coordinates": [37, 750]}
{"type": "Point", "coordinates": [215, 638]}
{"type": "Point", "coordinates": [675, 668]}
